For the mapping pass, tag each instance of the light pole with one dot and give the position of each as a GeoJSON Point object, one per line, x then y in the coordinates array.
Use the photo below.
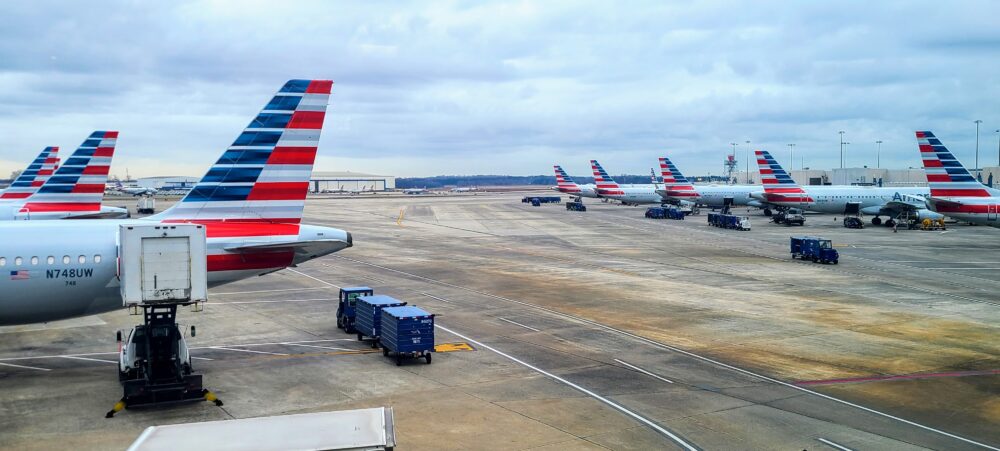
{"type": "Point", "coordinates": [998, 147]}
{"type": "Point", "coordinates": [878, 154]}
{"type": "Point", "coordinates": [977, 121]}
{"type": "Point", "coordinates": [791, 162]}
{"type": "Point", "coordinates": [841, 149]}
{"type": "Point", "coordinates": [748, 162]}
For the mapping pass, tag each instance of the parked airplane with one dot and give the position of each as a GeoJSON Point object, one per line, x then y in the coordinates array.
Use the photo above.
{"type": "Point", "coordinates": [676, 188]}
{"type": "Point", "coordinates": [32, 177]}
{"type": "Point", "coordinates": [953, 190]}
{"type": "Point", "coordinates": [250, 203]}
{"type": "Point", "coordinates": [465, 189]}
{"type": "Point", "coordinates": [414, 190]}
{"type": "Point", "coordinates": [628, 194]}
{"type": "Point", "coordinates": [75, 189]}
{"type": "Point", "coordinates": [565, 184]}
{"type": "Point", "coordinates": [134, 190]}
{"type": "Point", "coordinates": [894, 202]}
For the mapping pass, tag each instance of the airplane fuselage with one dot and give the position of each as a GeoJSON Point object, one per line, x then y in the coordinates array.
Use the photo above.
{"type": "Point", "coordinates": [975, 210]}
{"type": "Point", "coordinates": [834, 199]}
{"type": "Point", "coordinates": [56, 270]}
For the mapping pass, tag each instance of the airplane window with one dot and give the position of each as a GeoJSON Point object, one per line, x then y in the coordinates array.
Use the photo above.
{"type": "Point", "coordinates": [18, 261]}
{"type": "Point", "coordinates": [65, 259]}
{"type": "Point", "coordinates": [34, 261]}
{"type": "Point", "coordinates": [97, 259]}
{"type": "Point", "coordinates": [82, 259]}
{"type": "Point", "coordinates": [51, 260]}
{"type": "Point", "coordinates": [3, 261]}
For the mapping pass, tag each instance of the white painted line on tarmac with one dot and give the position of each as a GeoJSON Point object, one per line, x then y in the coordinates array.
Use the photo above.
{"type": "Point", "coordinates": [313, 278]}
{"type": "Point", "coordinates": [961, 269]}
{"type": "Point", "coordinates": [201, 358]}
{"type": "Point", "coordinates": [272, 302]}
{"type": "Point", "coordinates": [25, 367]}
{"type": "Point", "coordinates": [435, 297]}
{"type": "Point", "coordinates": [676, 439]}
{"type": "Point", "coordinates": [267, 291]}
{"type": "Point", "coordinates": [840, 447]}
{"type": "Point", "coordinates": [243, 345]}
{"type": "Point", "coordinates": [246, 350]}
{"type": "Point", "coordinates": [518, 324]}
{"type": "Point", "coordinates": [657, 344]}
{"type": "Point", "coordinates": [644, 371]}
{"type": "Point", "coordinates": [322, 347]}
{"type": "Point", "coordinates": [75, 357]}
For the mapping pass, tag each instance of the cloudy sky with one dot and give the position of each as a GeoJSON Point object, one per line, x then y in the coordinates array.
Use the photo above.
{"type": "Point", "coordinates": [429, 88]}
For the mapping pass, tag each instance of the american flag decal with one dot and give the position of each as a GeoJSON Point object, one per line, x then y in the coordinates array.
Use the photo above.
{"type": "Point", "coordinates": [20, 275]}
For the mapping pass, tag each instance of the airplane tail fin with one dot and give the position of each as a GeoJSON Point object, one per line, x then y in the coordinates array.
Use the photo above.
{"type": "Point", "coordinates": [777, 182]}
{"type": "Point", "coordinates": [605, 184]}
{"type": "Point", "coordinates": [263, 176]}
{"type": "Point", "coordinates": [674, 182]}
{"type": "Point", "coordinates": [78, 184]}
{"type": "Point", "coordinates": [946, 176]}
{"type": "Point", "coordinates": [34, 175]}
{"type": "Point", "coordinates": [564, 182]}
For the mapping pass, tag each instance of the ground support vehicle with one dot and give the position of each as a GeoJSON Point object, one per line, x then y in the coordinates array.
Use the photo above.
{"type": "Point", "coordinates": [407, 332]}
{"type": "Point", "coordinates": [576, 206]}
{"type": "Point", "coordinates": [813, 248]}
{"type": "Point", "coordinates": [368, 315]}
{"type": "Point", "coordinates": [346, 306]}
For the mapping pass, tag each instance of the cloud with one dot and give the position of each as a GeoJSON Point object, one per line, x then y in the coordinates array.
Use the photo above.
{"type": "Point", "coordinates": [504, 87]}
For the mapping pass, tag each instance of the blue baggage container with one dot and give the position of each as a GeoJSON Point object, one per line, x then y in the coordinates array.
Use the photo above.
{"type": "Point", "coordinates": [407, 332]}
{"type": "Point", "coordinates": [656, 212]}
{"type": "Point", "coordinates": [345, 306]}
{"type": "Point", "coordinates": [368, 315]}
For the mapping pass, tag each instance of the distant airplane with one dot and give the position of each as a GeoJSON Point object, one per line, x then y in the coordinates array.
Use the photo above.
{"type": "Point", "coordinates": [466, 189]}
{"type": "Point", "coordinates": [565, 184]}
{"type": "Point", "coordinates": [677, 188]}
{"type": "Point", "coordinates": [75, 189]}
{"type": "Point", "coordinates": [953, 190]}
{"type": "Point", "coordinates": [629, 194]}
{"type": "Point", "coordinates": [250, 202]}
{"type": "Point", "coordinates": [134, 190]}
{"type": "Point", "coordinates": [781, 190]}
{"type": "Point", "coordinates": [414, 190]}
{"type": "Point", "coordinates": [32, 177]}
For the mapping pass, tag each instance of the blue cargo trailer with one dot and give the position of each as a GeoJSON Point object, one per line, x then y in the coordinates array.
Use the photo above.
{"type": "Point", "coordinates": [656, 213]}
{"type": "Point", "coordinates": [407, 332]}
{"type": "Point", "coordinates": [345, 306]}
{"type": "Point", "coordinates": [675, 213]}
{"type": "Point", "coordinates": [814, 248]}
{"type": "Point", "coordinates": [368, 315]}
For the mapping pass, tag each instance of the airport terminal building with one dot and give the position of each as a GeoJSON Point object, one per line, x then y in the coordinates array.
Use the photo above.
{"type": "Point", "coordinates": [350, 181]}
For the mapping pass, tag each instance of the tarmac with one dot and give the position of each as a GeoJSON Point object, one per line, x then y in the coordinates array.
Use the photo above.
{"type": "Point", "coordinates": [584, 330]}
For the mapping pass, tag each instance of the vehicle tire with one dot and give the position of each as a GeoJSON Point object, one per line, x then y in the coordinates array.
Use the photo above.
{"type": "Point", "coordinates": [814, 259]}
{"type": "Point", "coordinates": [359, 337]}
{"type": "Point", "coordinates": [375, 343]}
{"type": "Point", "coordinates": [767, 212]}
{"type": "Point", "coordinates": [340, 322]}
{"type": "Point", "coordinates": [399, 359]}
{"type": "Point", "coordinates": [385, 351]}
{"type": "Point", "coordinates": [836, 261]}
{"type": "Point", "coordinates": [427, 357]}
{"type": "Point", "coordinates": [876, 220]}
{"type": "Point", "coordinates": [890, 223]}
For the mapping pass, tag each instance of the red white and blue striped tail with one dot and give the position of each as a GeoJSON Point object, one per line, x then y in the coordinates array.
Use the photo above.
{"type": "Point", "coordinates": [33, 176]}
{"type": "Point", "coordinates": [778, 185]}
{"type": "Point", "coordinates": [564, 182]}
{"type": "Point", "coordinates": [674, 183]}
{"type": "Point", "coordinates": [77, 186]}
{"type": "Point", "coordinates": [606, 186]}
{"type": "Point", "coordinates": [263, 177]}
{"type": "Point", "coordinates": [946, 176]}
